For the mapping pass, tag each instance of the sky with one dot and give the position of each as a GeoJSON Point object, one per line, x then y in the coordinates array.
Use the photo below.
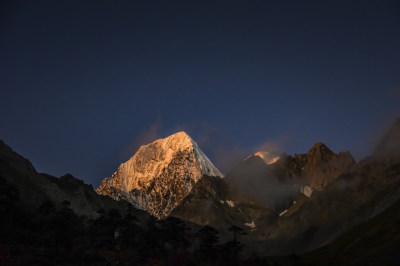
{"type": "Point", "coordinates": [85, 83]}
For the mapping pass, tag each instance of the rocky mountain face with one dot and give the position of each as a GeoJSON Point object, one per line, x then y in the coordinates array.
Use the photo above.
{"type": "Point", "coordinates": [372, 242]}
{"type": "Point", "coordinates": [340, 195]}
{"type": "Point", "coordinates": [254, 194]}
{"type": "Point", "coordinates": [314, 169]}
{"type": "Point", "coordinates": [160, 175]}
{"type": "Point", "coordinates": [213, 202]}
{"type": "Point", "coordinates": [33, 188]}
{"type": "Point", "coordinates": [365, 190]}
{"type": "Point", "coordinates": [278, 182]}
{"type": "Point", "coordinates": [358, 194]}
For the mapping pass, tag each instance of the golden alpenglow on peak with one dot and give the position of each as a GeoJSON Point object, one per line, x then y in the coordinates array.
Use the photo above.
{"type": "Point", "coordinates": [160, 174]}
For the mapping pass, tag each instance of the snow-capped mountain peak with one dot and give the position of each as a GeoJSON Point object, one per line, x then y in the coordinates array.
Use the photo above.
{"type": "Point", "coordinates": [160, 174]}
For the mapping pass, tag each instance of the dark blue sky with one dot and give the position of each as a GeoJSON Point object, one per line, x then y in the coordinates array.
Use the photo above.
{"type": "Point", "coordinates": [84, 83]}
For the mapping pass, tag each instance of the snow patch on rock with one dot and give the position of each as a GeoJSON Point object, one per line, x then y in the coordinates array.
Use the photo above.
{"type": "Point", "coordinates": [306, 190]}
{"type": "Point", "coordinates": [283, 213]}
{"type": "Point", "coordinates": [230, 203]}
{"type": "Point", "coordinates": [252, 225]}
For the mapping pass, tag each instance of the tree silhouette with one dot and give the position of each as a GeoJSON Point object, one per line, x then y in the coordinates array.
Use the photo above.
{"type": "Point", "coordinates": [236, 230]}
{"type": "Point", "coordinates": [130, 231]}
{"type": "Point", "coordinates": [234, 247]}
{"type": "Point", "coordinates": [208, 238]}
{"type": "Point", "coordinates": [174, 234]}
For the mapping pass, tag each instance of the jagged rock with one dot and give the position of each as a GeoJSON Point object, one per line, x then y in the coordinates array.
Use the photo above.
{"type": "Point", "coordinates": [315, 169]}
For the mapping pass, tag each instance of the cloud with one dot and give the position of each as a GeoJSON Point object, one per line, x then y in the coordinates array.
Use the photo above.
{"type": "Point", "coordinates": [258, 182]}
{"type": "Point", "coordinates": [268, 157]}
{"type": "Point", "coordinates": [215, 143]}
{"type": "Point", "coordinates": [145, 136]}
{"type": "Point", "coordinates": [149, 134]}
{"type": "Point", "coordinates": [226, 157]}
{"type": "Point", "coordinates": [389, 144]}
{"type": "Point", "coordinates": [274, 146]}
{"type": "Point", "coordinates": [225, 153]}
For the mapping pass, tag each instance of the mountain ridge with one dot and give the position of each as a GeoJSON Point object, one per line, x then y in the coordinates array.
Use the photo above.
{"type": "Point", "coordinates": [36, 188]}
{"type": "Point", "coordinates": [255, 193]}
{"type": "Point", "coordinates": [343, 193]}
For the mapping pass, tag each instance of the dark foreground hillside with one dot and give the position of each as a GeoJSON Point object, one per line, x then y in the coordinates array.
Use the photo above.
{"type": "Point", "coordinates": [51, 235]}
{"type": "Point", "coordinates": [40, 226]}
{"type": "Point", "coordinates": [375, 242]}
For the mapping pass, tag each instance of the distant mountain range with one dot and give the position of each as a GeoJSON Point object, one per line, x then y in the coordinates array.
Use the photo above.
{"type": "Point", "coordinates": [283, 204]}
